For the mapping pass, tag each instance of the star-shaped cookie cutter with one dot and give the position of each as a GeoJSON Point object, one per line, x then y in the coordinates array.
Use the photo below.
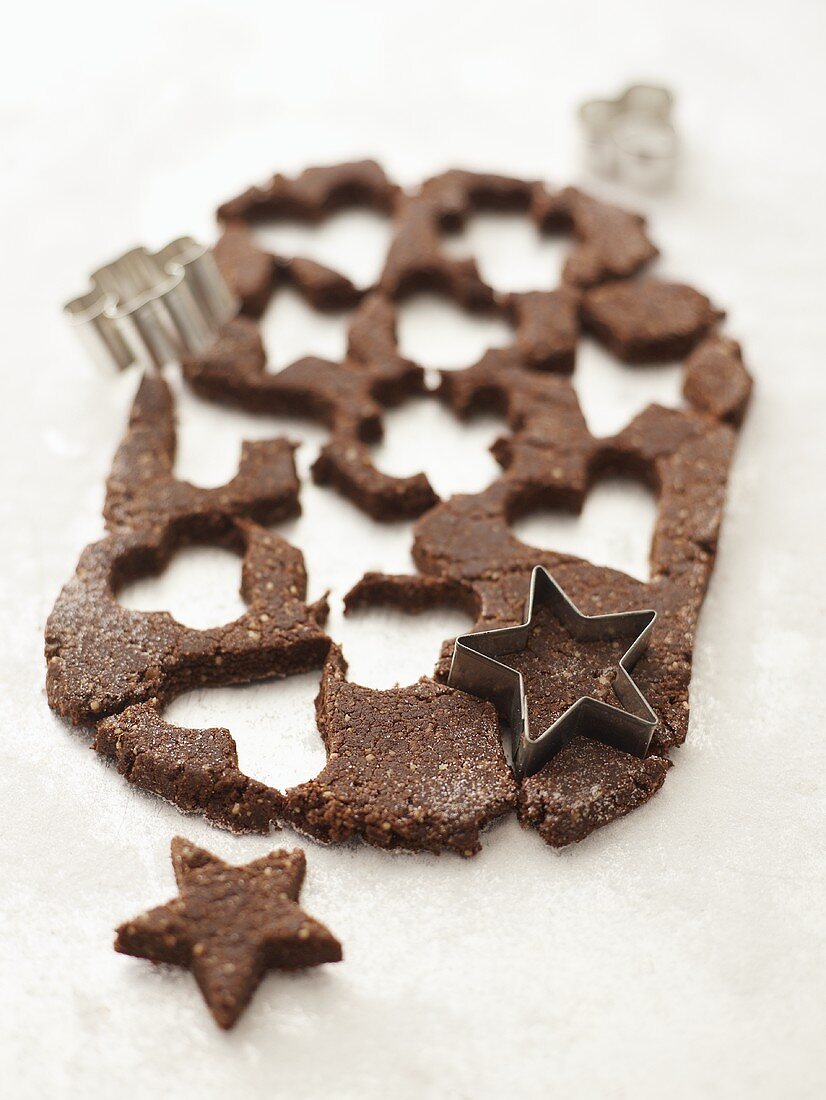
{"type": "Point", "coordinates": [632, 137]}
{"type": "Point", "coordinates": [475, 669]}
{"type": "Point", "coordinates": [152, 307]}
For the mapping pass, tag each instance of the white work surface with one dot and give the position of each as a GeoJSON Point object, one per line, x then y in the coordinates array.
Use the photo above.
{"type": "Point", "coordinates": [676, 953]}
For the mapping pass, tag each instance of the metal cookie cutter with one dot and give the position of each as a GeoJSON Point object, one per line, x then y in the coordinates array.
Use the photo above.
{"type": "Point", "coordinates": [150, 308]}
{"type": "Point", "coordinates": [631, 138]}
{"type": "Point", "coordinates": [476, 670]}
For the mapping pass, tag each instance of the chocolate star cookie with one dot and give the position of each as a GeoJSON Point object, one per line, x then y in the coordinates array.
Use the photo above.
{"type": "Point", "coordinates": [230, 925]}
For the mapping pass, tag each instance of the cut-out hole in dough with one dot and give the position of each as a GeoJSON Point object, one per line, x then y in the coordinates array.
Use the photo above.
{"type": "Point", "coordinates": [273, 723]}
{"type": "Point", "coordinates": [423, 436]}
{"type": "Point", "coordinates": [292, 329]}
{"type": "Point", "coordinates": [199, 588]}
{"type": "Point", "coordinates": [210, 437]}
{"type": "Point", "coordinates": [615, 528]}
{"type": "Point", "coordinates": [612, 393]}
{"type": "Point", "coordinates": [510, 252]}
{"type": "Point", "coordinates": [352, 242]}
{"type": "Point", "coordinates": [385, 647]}
{"type": "Point", "coordinates": [435, 333]}
{"type": "Point", "coordinates": [340, 543]}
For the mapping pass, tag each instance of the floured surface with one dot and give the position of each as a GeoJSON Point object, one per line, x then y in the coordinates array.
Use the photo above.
{"type": "Point", "coordinates": [676, 951]}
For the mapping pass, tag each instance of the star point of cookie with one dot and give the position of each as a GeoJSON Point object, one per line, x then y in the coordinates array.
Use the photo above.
{"type": "Point", "coordinates": [230, 924]}
{"type": "Point", "coordinates": [508, 668]}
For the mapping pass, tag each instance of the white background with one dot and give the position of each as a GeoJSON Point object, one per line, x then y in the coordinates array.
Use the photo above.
{"type": "Point", "coordinates": [678, 952]}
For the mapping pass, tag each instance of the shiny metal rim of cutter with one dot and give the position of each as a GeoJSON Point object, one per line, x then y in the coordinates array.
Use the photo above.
{"type": "Point", "coordinates": [152, 307]}
{"type": "Point", "coordinates": [631, 138]}
{"type": "Point", "coordinates": [476, 670]}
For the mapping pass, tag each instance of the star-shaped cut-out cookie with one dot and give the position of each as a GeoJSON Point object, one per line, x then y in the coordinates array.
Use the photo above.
{"type": "Point", "coordinates": [231, 924]}
{"type": "Point", "coordinates": [567, 673]}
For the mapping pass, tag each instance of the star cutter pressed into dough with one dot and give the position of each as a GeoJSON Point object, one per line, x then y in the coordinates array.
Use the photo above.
{"type": "Point", "coordinates": [475, 669]}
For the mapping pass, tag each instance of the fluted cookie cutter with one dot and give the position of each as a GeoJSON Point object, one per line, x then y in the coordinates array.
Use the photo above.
{"type": "Point", "coordinates": [476, 669]}
{"type": "Point", "coordinates": [632, 137]}
{"type": "Point", "coordinates": [152, 307]}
